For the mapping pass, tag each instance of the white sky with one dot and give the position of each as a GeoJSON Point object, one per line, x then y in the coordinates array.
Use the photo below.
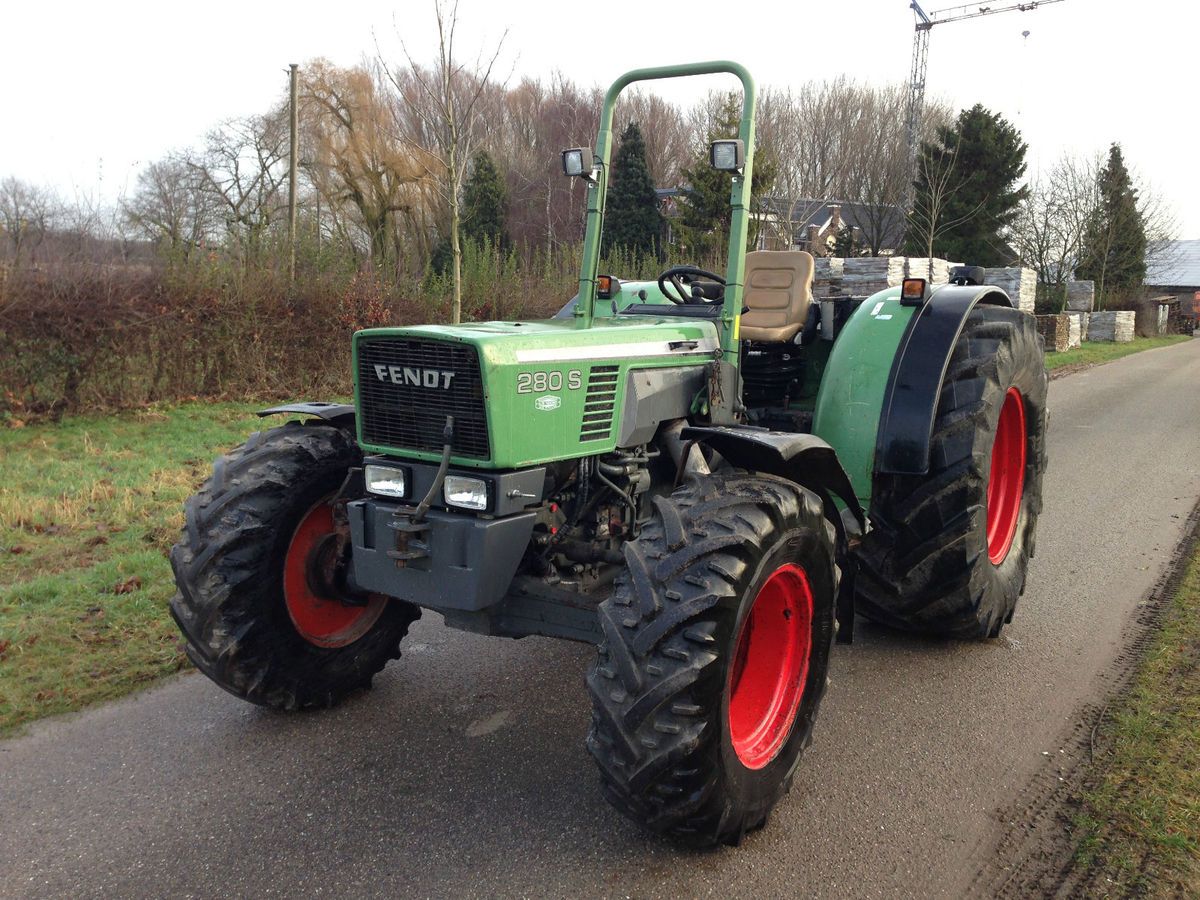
{"type": "Point", "coordinates": [92, 91]}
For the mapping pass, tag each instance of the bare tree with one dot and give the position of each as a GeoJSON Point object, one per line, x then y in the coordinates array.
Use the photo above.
{"type": "Point", "coordinates": [1053, 219]}
{"type": "Point", "coordinates": [664, 127]}
{"type": "Point", "coordinates": [370, 177]}
{"type": "Point", "coordinates": [878, 176]}
{"type": "Point", "coordinates": [835, 141]}
{"type": "Point", "coordinates": [445, 100]}
{"type": "Point", "coordinates": [811, 132]}
{"type": "Point", "coordinates": [170, 206]}
{"type": "Point", "coordinates": [27, 215]}
{"type": "Point", "coordinates": [1062, 206]}
{"type": "Point", "coordinates": [244, 167]}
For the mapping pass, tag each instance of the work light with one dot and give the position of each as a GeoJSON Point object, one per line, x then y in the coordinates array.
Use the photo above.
{"type": "Point", "coordinates": [727, 156]}
{"type": "Point", "coordinates": [912, 291]}
{"type": "Point", "coordinates": [386, 480]}
{"type": "Point", "coordinates": [578, 162]}
{"type": "Point", "coordinates": [467, 493]}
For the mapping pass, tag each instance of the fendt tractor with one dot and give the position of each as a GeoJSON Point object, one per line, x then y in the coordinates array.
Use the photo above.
{"type": "Point", "coordinates": [706, 477]}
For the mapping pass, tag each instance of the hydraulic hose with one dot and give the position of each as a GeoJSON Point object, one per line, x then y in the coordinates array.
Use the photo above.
{"type": "Point", "coordinates": [440, 477]}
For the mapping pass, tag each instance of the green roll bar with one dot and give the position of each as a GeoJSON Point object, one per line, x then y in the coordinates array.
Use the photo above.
{"type": "Point", "coordinates": [739, 196]}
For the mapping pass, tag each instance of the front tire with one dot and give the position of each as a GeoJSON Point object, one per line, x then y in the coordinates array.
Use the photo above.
{"type": "Point", "coordinates": [717, 641]}
{"type": "Point", "coordinates": [948, 551]}
{"type": "Point", "coordinates": [256, 617]}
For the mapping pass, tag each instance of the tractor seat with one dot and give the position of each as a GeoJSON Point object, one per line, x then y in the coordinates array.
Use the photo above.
{"type": "Point", "coordinates": [777, 294]}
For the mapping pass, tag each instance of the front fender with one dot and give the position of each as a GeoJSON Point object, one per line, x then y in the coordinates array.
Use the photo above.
{"type": "Point", "coordinates": [338, 414]}
{"type": "Point", "coordinates": [802, 458]}
{"type": "Point", "coordinates": [811, 463]}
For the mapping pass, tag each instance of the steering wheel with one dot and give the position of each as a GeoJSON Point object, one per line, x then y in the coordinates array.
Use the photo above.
{"type": "Point", "coordinates": [677, 275]}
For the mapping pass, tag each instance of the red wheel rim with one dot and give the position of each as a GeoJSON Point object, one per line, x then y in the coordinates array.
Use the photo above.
{"type": "Point", "coordinates": [321, 620]}
{"type": "Point", "coordinates": [770, 666]}
{"type": "Point", "coordinates": [1007, 480]}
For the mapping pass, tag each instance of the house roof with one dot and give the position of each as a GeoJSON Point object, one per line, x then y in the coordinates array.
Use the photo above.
{"type": "Point", "coordinates": [883, 222]}
{"type": "Point", "coordinates": [1174, 264]}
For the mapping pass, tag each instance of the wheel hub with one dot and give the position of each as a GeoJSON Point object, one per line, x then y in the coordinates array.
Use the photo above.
{"type": "Point", "coordinates": [1006, 483]}
{"type": "Point", "coordinates": [319, 610]}
{"type": "Point", "coordinates": [770, 666]}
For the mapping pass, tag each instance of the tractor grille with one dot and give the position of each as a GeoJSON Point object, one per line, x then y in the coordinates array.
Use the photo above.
{"type": "Point", "coordinates": [599, 403]}
{"type": "Point", "coordinates": [404, 395]}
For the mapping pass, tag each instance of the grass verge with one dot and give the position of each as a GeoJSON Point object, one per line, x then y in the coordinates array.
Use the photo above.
{"type": "Point", "coordinates": [1139, 827]}
{"type": "Point", "coordinates": [88, 512]}
{"type": "Point", "coordinates": [1095, 352]}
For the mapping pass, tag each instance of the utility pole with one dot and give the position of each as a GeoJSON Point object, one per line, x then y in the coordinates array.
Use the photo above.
{"type": "Point", "coordinates": [293, 162]}
{"type": "Point", "coordinates": [920, 63]}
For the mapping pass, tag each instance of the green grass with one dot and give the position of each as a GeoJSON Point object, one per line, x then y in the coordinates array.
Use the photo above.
{"type": "Point", "coordinates": [88, 512]}
{"type": "Point", "coordinates": [1094, 352]}
{"type": "Point", "coordinates": [1140, 825]}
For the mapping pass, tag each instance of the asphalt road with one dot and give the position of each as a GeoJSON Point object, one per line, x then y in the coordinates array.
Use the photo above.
{"type": "Point", "coordinates": [464, 772]}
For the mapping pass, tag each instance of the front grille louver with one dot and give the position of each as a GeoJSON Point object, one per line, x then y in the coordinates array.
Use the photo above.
{"type": "Point", "coordinates": [599, 404]}
{"type": "Point", "coordinates": [408, 416]}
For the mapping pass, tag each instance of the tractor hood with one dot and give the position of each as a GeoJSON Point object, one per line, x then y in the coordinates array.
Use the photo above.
{"type": "Point", "coordinates": [522, 393]}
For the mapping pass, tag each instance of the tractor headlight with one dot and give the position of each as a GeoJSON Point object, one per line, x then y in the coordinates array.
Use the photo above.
{"type": "Point", "coordinates": [386, 481]}
{"type": "Point", "coordinates": [578, 162]}
{"type": "Point", "coordinates": [466, 493]}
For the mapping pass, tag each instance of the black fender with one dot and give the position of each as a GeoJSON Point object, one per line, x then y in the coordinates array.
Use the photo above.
{"type": "Point", "coordinates": [811, 463]}
{"type": "Point", "coordinates": [340, 415]}
{"type": "Point", "coordinates": [918, 371]}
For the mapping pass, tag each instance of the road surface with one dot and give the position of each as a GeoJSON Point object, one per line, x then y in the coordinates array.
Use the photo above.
{"type": "Point", "coordinates": [464, 773]}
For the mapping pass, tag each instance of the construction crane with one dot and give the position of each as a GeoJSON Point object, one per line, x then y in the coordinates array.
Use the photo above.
{"type": "Point", "coordinates": [920, 57]}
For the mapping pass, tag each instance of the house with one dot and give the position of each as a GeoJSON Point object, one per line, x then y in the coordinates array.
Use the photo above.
{"type": "Point", "coordinates": [803, 223]}
{"type": "Point", "coordinates": [815, 225]}
{"type": "Point", "coordinates": [1174, 269]}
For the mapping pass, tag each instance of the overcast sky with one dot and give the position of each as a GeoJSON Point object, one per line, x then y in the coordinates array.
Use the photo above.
{"type": "Point", "coordinates": [93, 91]}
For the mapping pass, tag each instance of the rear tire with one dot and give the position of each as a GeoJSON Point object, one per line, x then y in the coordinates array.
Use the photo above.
{"type": "Point", "coordinates": [699, 718]}
{"type": "Point", "coordinates": [939, 558]}
{"type": "Point", "coordinates": [252, 622]}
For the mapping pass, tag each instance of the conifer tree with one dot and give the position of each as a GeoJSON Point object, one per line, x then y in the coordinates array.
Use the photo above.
{"type": "Point", "coordinates": [968, 190]}
{"type": "Point", "coordinates": [1113, 251]}
{"type": "Point", "coordinates": [484, 200]}
{"type": "Point", "coordinates": [633, 222]}
{"type": "Point", "coordinates": [483, 209]}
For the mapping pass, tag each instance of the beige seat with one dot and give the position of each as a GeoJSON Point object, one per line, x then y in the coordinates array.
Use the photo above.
{"type": "Point", "coordinates": [777, 294]}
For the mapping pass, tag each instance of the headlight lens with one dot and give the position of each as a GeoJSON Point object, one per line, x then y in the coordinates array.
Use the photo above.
{"type": "Point", "coordinates": [386, 481]}
{"type": "Point", "coordinates": [466, 493]}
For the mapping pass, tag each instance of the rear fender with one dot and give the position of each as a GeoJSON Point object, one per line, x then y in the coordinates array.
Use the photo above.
{"type": "Point", "coordinates": [918, 371]}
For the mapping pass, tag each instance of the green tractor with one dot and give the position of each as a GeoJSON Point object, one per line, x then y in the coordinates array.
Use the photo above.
{"type": "Point", "coordinates": [704, 476]}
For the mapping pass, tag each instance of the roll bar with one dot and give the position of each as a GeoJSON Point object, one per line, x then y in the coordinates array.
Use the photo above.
{"type": "Point", "coordinates": [739, 197]}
